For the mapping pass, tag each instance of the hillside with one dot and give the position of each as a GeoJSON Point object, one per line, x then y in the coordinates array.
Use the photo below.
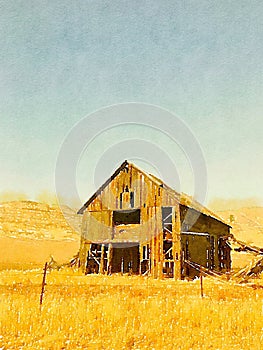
{"type": "Point", "coordinates": [247, 224]}
{"type": "Point", "coordinates": [30, 232]}
{"type": "Point", "coordinates": [34, 220]}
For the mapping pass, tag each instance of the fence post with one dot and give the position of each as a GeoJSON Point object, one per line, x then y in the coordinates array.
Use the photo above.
{"type": "Point", "coordinates": [43, 284]}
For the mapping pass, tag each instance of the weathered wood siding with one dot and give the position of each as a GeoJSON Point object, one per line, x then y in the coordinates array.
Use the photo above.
{"type": "Point", "coordinates": [194, 221]}
{"type": "Point", "coordinates": [130, 180]}
{"type": "Point", "coordinates": [131, 188]}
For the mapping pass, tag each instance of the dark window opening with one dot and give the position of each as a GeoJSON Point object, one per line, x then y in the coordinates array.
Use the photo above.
{"type": "Point", "coordinates": [167, 222]}
{"type": "Point", "coordinates": [167, 215]}
{"type": "Point", "coordinates": [125, 217]}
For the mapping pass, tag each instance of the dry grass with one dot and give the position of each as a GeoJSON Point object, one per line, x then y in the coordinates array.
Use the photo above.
{"type": "Point", "coordinates": [25, 253]}
{"type": "Point", "coordinates": [126, 312]}
{"type": "Point", "coordinates": [111, 312]}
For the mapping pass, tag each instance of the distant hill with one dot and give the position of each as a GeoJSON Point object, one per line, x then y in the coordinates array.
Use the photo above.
{"type": "Point", "coordinates": [28, 219]}
{"type": "Point", "coordinates": [247, 224]}
{"type": "Point", "coordinates": [30, 232]}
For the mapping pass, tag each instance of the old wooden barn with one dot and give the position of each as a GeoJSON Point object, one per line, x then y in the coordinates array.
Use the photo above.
{"type": "Point", "coordinates": [135, 223]}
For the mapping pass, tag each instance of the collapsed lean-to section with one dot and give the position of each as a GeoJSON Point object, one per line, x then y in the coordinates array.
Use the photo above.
{"type": "Point", "coordinates": [135, 223]}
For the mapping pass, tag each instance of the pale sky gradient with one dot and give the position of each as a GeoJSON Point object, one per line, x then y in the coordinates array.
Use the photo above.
{"type": "Point", "coordinates": [202, 60]}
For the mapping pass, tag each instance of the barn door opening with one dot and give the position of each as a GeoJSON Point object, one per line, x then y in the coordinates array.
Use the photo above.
{"type": "Point", "coordinates": [125, 258]}
{"type": "Point", "coordinates": [121, 257]}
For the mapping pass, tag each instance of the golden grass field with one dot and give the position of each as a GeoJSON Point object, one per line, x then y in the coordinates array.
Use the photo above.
{"type": "Point", "coordinates": [126, 312]}
{"type": "Point", "coordinates": [111, 312]}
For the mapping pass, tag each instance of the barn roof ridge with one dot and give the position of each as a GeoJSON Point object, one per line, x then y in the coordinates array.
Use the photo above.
{"type": "Point", "coordinates": [104, 185]}
{"type": "Point", "coordinates": [182, 198]}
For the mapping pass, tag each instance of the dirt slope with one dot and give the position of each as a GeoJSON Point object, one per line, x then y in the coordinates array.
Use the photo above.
{"type": "Point", "coordinates": [30, 232]}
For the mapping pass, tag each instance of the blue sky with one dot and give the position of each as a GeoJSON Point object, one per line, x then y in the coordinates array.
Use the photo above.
{"type": "Point", "coordinates": [202, 60]}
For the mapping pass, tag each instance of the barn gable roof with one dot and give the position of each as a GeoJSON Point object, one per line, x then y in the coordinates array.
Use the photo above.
{"type": "Point", "coordinates": [182, 198]}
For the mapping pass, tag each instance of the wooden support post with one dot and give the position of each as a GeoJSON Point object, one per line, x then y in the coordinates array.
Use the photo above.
{"type": "Point", "coordinates": [152, 245]}
{"type": "Point", "coordinates": [84, 245]}
{"type": "Point", "coordinates": [83, 254]}
{"type": "Point", "coordinates": [43, 284]}
{"type": "Point", "coordinates": [140, 258]}
{"type": "Point", "coordinates": [176, 221]}
{"type": "Point", "coordinates": [122, 265]}
{"type": "Point", "coordinates": [201, 282]}
{"type": "Point", "coordinates": [101, 269]}
{"type": "Point", "coordinates": [160, 242]}
{"type": "Point", "coordinates": [110, 251]}
{"type": "Point", "coordinates": [160, 255]}
{"type": "Point", "coordinates": [154, 265]}
{"type": "Point", "coordinates": [152, 255]}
